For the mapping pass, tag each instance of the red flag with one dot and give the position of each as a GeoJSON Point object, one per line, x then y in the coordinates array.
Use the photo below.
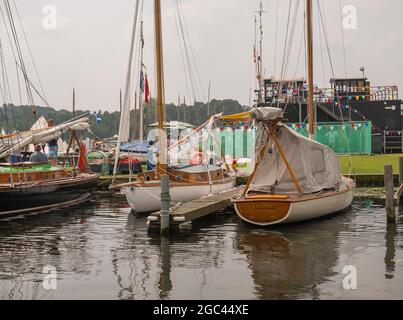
{"type": "Point", "coordinates": [147, 91]}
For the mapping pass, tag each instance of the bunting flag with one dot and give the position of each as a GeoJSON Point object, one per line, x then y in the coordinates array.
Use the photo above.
{"type": "Point", "coordinates": [97, 117]}
{"type": "Point", "coordinates": [147, 90]}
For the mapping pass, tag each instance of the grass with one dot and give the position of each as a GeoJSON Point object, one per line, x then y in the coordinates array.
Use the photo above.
{"type": "Point", "coordinates": [370, 164]}
{"type": "Point", "coordinates": [361, 164]}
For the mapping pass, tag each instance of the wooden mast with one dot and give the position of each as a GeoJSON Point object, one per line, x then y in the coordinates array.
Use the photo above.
{"type": "Point", "coordinates": [161, 167]}
{"type": "Point", "coordinates": [309, 47]}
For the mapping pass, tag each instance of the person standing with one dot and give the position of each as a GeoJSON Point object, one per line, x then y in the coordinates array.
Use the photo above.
{"type": "Point", "coordinates": [52, 145]}
{"type": "Point", "coordinates": [152, 154]}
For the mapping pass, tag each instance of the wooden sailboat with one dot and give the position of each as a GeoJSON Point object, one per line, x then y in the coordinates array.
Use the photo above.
{"type": "Point", "coordinates": [27, 187]}
{"type": "Point", "coordinates": [187, 182]}
{"type": "Point", "coordinates": [295, 178]}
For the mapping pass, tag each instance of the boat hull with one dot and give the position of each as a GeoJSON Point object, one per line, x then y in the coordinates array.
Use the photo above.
{"type": "Point", "coordinates": [147, 198]}
{"type": "Point", "coordinates": [21, 198]}
{"type": "Point", "coordinates": [266, 210]}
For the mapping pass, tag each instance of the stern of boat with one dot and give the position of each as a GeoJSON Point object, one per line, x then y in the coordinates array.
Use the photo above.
{"type": "Point", "coordinates": [262, 210]}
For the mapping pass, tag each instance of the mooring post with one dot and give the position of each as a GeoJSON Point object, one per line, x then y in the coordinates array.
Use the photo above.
{"type": "Point", "coordinates": [400, 171]}
{"type": "Point", "coordinates": [390, 191]}
{"type": "Point", "coordinates": [165, 204]}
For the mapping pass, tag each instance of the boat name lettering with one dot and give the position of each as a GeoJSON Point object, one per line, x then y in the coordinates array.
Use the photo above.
{"type": "Point", "coordinates": [266, 206]}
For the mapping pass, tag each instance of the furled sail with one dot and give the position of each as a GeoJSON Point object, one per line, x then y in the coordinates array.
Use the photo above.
{"type": "Point", "coordinates": [315, 166]}
{"type": "Point", "coordinates": [23, 139]}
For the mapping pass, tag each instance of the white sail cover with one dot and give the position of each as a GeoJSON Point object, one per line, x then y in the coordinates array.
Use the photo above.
{"type": "Point", "coordinates": [267, 113]}
{"type": "Point", "coordinates": [43, 135]}
{"type": "Point", "coordinates": [315, 166]}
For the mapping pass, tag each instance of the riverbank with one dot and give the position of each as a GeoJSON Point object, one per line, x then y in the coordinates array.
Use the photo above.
{"type": "Point", "coordinates": [369, 164]}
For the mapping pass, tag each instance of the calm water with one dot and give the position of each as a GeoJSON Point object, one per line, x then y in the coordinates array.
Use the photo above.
{"type": "Point", "coordinates": [100, 251]}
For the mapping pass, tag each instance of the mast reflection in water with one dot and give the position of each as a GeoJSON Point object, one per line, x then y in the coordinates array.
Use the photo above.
{"type": "Point", "coordinates": [101, 251]}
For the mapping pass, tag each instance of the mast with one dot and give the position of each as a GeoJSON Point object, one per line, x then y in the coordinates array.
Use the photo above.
{"type": "Point", "coordinates": [209, 99]}
{"type": "Point", "coordinates": [184, 109]}
{"type": "Point", "coordinates": [259, 75]}
{"type": "Point", "coordinates": [179, 108]}
{"type": "Point", "coordinates": [141, 111]}
{"type": "Point", "coordinates": [161, 167]}
{"type": "Point", "coordinates": [135, 116]}
{"type": "Point", "coordinates": [74, 103]}
{"type": "Point", "coordinates": [309, 47]}
{"type": "Point", "coordinates": [120, 101]}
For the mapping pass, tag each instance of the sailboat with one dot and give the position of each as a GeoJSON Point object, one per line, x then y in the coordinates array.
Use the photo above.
{"type": "Point", "coordinates": [187, 182]}
{"type": "Point", "coordinates": [31, 187]}
{"type": "Point", "coordinates": [27, 187]}
{"type": "Point", "coordinates": [295, 178]}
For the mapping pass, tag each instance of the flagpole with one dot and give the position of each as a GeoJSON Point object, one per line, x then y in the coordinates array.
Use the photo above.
{"type": "Point", "coordinates": [141, 110]}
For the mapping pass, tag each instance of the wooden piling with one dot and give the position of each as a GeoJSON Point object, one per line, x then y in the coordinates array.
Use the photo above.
{"type": "Point", "coordinates": [389, 189]}
{"type": "Point", "coordinates": [165, 204]}
{"type": "Point", "coordinates": [400, 171]}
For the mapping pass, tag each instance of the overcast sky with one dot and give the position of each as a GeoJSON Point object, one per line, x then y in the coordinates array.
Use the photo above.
{"type": "Point", "coordinates": [89, 48]}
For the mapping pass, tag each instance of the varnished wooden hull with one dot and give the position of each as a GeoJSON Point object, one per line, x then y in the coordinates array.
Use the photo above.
{"type": "Point", "coordinates": [266, 210]}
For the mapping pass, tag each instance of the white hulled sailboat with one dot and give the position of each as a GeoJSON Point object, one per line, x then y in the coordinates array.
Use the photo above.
{"type": "Point", "coordinates": [295, 178]}
{"type": "Point", "coordinates": [187, 182]}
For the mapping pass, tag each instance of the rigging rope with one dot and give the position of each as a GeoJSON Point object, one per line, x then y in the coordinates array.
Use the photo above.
{"type": "Point", "coordinates": [19, 53]}
{"type": "Point", "coordinates": [182, 54]}
{"type": "Point", "coordinates": [287, 47]}
{"type": "Point", "coordinates": [275, 42]}
{"type": "Point", "coordinates": [186, 52]}
{"type": "Point", "coordinates": [333, 75]}
{"type": "Point", "coordinates": [342, 39]}
{"type": "Point", "coordinates": [196, 69]}
{"type": "Point", "coordinates": [30, 51]}
{"type": "Point", "coordinates": [322, 60]}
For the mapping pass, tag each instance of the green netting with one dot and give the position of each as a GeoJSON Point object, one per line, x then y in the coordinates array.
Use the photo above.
{"type": "Point", "coordinates": [347, 138]}
{"type": "Point", "coordinates": [237, 143]}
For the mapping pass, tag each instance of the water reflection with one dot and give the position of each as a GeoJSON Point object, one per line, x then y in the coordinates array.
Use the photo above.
{"type": "Point", "coordinates": [101, 251]}
{"type": "Point", "coordinates": [390, 255]}
{"type": "Point", "coordinates": [164, 282]}
{"type": "Point", "coordinates": [292, 259]}
{"type": "Point", "coordinates": [29, 243]}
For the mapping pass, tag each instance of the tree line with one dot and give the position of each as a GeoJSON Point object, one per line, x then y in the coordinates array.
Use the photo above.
{"type": "Point", "coordinates": [21, 118]}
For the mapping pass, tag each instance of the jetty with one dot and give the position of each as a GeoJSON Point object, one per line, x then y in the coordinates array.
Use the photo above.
{"type": "Point", "coordinates": [190, 211]}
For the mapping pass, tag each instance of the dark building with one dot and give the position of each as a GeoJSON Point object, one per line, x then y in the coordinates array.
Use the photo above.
{"type": "Point", "coordinates": [348, 99]}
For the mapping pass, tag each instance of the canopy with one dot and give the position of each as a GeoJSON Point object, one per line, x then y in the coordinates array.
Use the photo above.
{"type": "Point", "coordinates": [136, 146]}
{"type": "Point", "coordinates": [259, 114]}
{"type": "Point", "coordinates": [314, 165]}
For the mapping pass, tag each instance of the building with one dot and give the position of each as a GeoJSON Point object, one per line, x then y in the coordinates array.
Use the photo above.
{"type": "Point", "coordinates": [348, 99]}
